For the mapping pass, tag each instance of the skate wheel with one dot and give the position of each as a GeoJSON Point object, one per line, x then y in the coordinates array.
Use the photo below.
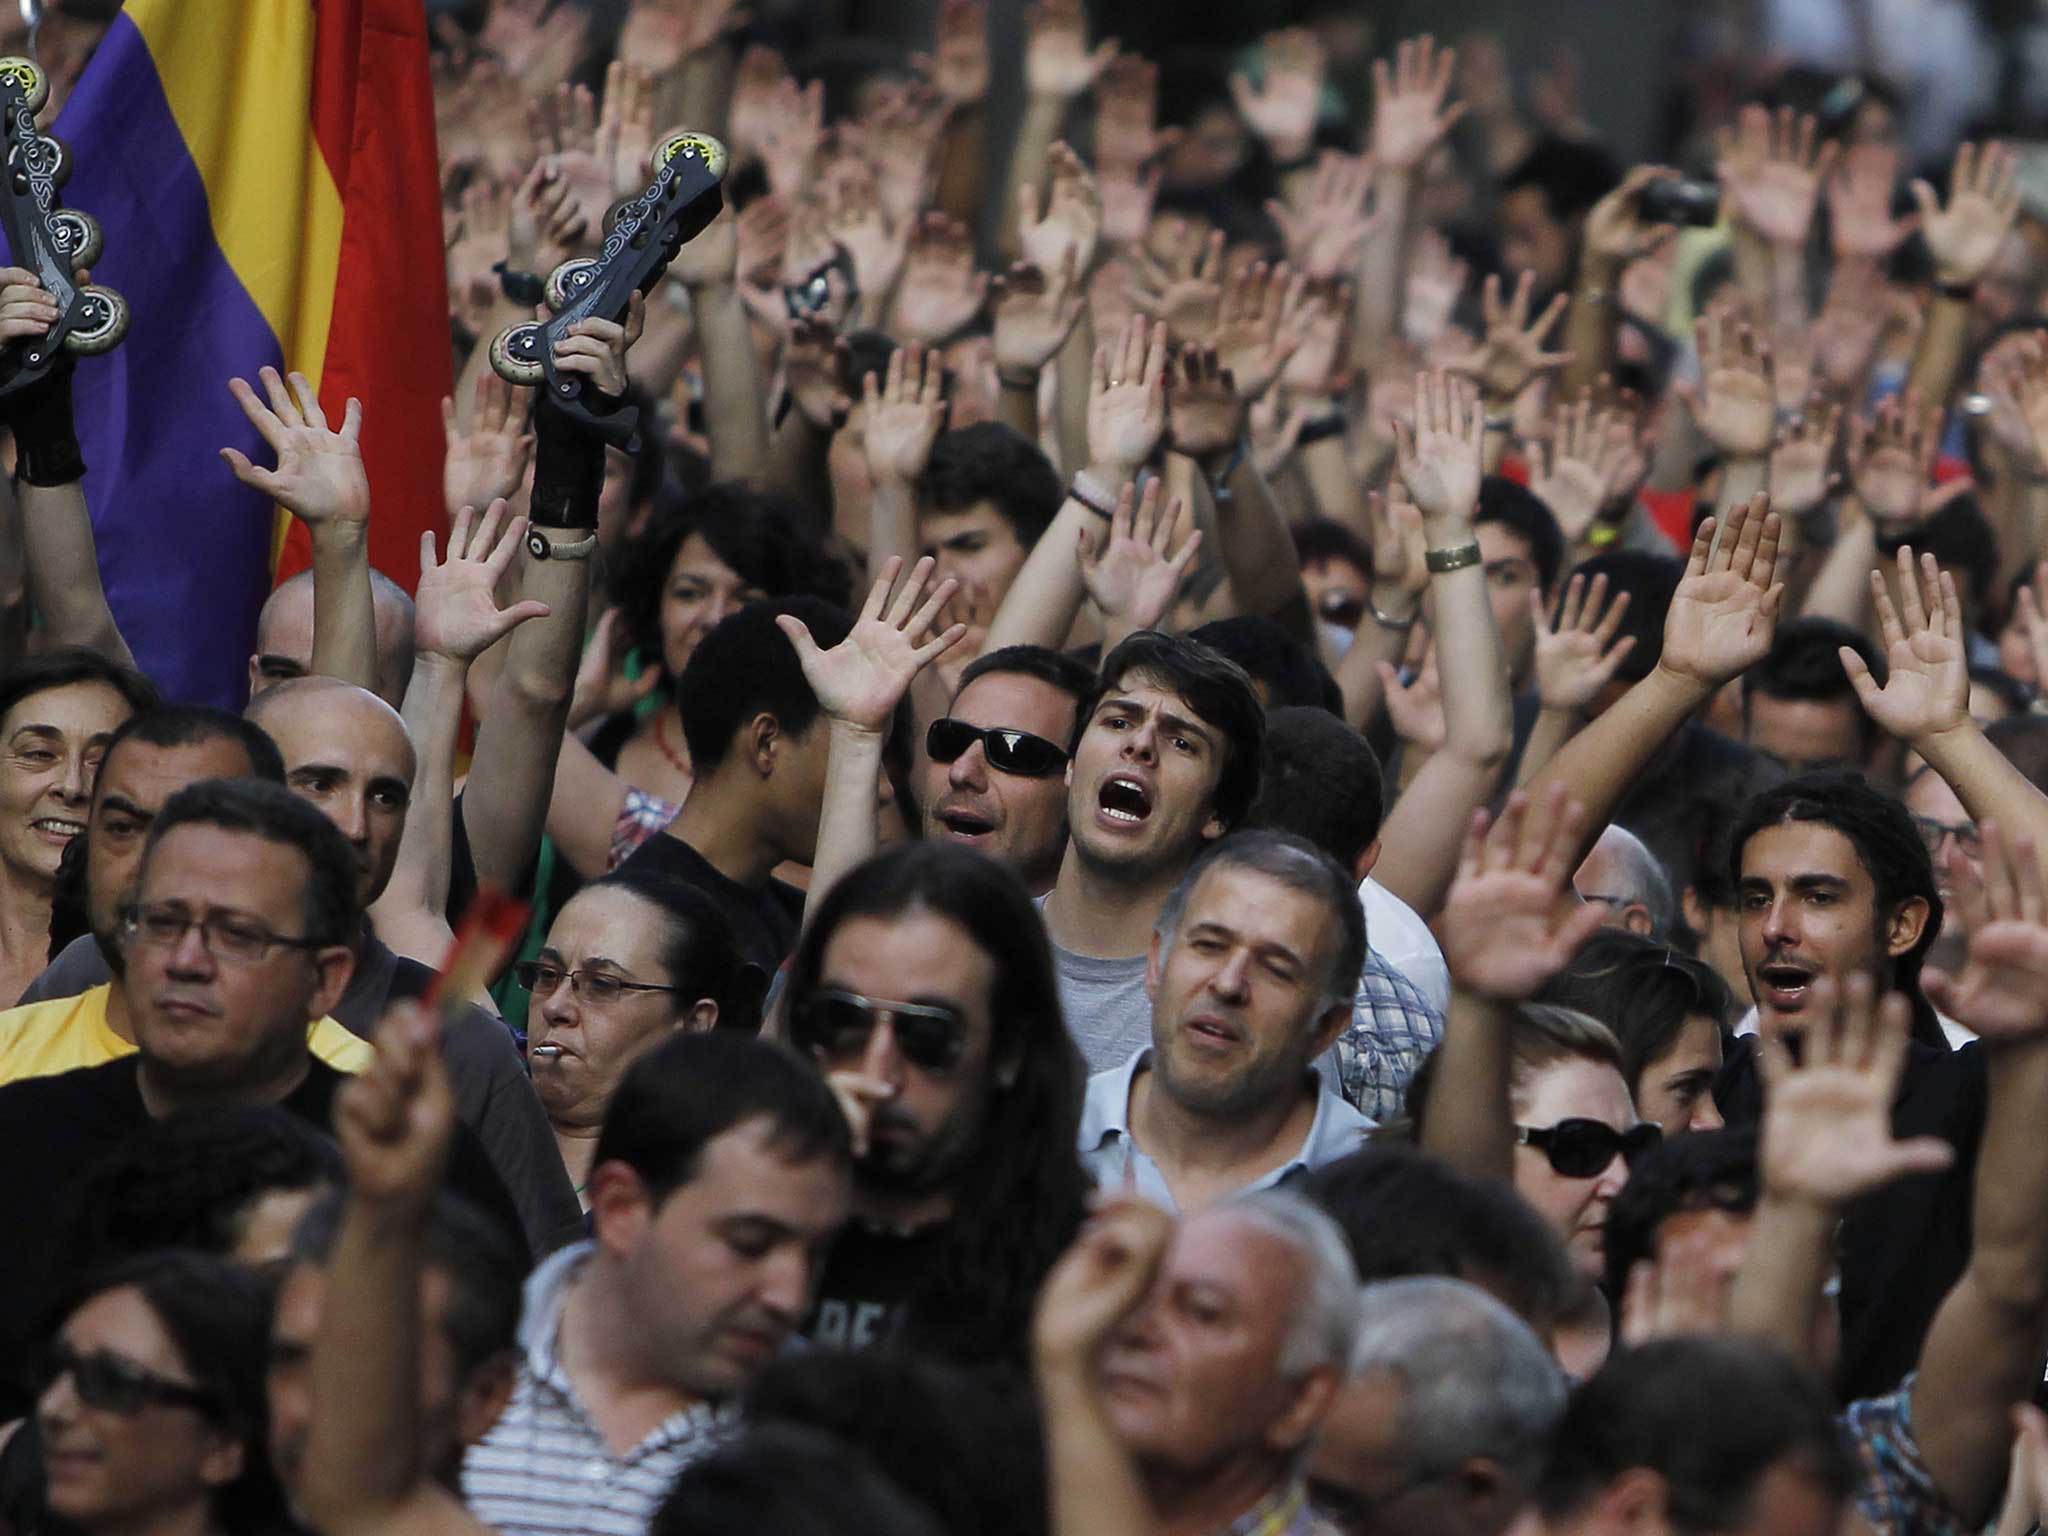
{"type": "Point", "coordinates": [78, 236]}
{"type": "Point", "coordinates": [702, 145]}
{"type": "Point", "coordinates": [567, 282]}
{"type": "Point", "coordinates": [26, 76]}
{"type": "Point", "coordinates": [102, 321]}
{"type": "Point", "coordinates": [515, 354]}
{"type": "Point", "coordinates": [52, 156]}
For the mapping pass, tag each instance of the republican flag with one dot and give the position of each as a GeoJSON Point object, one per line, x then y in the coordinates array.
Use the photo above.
{"type": "Point", "coordinates": [266, 176]}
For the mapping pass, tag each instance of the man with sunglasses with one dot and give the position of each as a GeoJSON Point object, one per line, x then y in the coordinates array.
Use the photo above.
{"type": "Point", "coordinates": [1252, 973]}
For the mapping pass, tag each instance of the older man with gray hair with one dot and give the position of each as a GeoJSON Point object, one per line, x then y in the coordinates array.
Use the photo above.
{"type": "Point", "coordinates": [1445, 1420]}
{"type": "Point", "coordinates": [1625, 877]}
{"type": "Point", "coordinates": [1217, 1382]}
{"type": "Point", "coordinates": [1252, 972]}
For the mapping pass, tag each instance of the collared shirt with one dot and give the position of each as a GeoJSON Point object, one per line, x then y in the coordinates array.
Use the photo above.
{"type": "Point", "coordinates": [1109, 1152]}
{"type": "Point", "coordinates": [66, 1033]}
{"type": "Point", "coordinates": [1283, 1512]}
{"type": "Point", "coordinates": [1894, 1490]}
{"type": "Point", "coordinates": [545, 1469]}
{"type": "Point", "coordinates": [1393, 1027]}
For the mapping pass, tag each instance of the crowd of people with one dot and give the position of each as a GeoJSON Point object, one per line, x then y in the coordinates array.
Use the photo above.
{"type": "Point", "coordinates": [1285, 807]}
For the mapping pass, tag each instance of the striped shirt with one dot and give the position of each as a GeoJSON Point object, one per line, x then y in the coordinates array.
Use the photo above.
{"type": "Point", "coordinates": [545, 1469]}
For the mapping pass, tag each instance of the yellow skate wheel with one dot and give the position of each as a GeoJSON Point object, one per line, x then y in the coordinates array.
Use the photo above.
{"type": "Point", "coordinates": [26, 76]}
{"type": "Point", "coordinates": [702, 145]}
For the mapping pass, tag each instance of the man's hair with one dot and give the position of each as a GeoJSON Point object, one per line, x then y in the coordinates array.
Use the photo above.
{"type": "Point", "coordinates": [1215, 688]}
{"type": "Point", "coordinates": [1270, 655]}
{"type": "Point", "coordinates": [192, 725]}
{"type": "Point", "coordinates": [485, 1265]}
{"type": "Point", "coordinates": [1571, 175]}
{"type": "Point", "coordinates": [1475, 1380]}
{"type": "Point", "coordinates": [1522, 512]}
{"type": "Point", "coordinates": [691, 1089]}
{"type": "Point", "coordinates": [1961, 539]}
{"type": "Point", "coordinates": [746, 668]}
{"type": "Point", "coordinates": [1056, 669]}
{"type": "Point", "coordinates": [1022, 1198]}
{"type": "Point", "coordinates": [757, 534]}
{"type": "Point", "coordinates": [1804, 664]}
{"type": "Point", "coordinates": [1701, 1171]}
{"type": "Point", "coordinates": [69, 664]}
{"type": "Point", "coordinates": [1887, 844]}
{"type": "Point", "coordinates": [1404, 1212]}
{"type": "Point", "coordinates": [1300, 866]}
{"type": "Point", "coordinates": [1321, 781]}
{"type": "Point", "coordinates": [792, 1481]}
{"type": "Point", "coordinates": [1325, 1325]}
{"type": "Point", "coordinates": [698, 950]}
{"type": "Point", "coordinates": [1650, 581]}
{"type": "Point", "coordinates": [270, 811]}
{"type": "Point", "coordinates": [997, 464]}
{"type": "Point", "coordinates": [2024, 742]}
{"type": "Point", "coordinates": [2004, 687]}
{"type": "Point", "coordinates": [1645, 991]}
{"type": "Point", "coordinates": [189, 1180]}
{"type": "Point", "coordinates": [1322, 538]}
{"type": "Point", "coordinates": [1710, 1416]}
{"type": "Point", "coordinates": [1647, 884]}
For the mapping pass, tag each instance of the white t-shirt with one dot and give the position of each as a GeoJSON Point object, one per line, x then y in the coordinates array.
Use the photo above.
{"type": "Point", "coordinates": [1396, 933]}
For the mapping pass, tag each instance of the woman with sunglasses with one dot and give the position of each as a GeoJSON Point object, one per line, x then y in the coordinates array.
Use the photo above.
{"type": "Point", "coordinates": [151, 1407]}
{"type": "Point", "coordinates": [630, 960]}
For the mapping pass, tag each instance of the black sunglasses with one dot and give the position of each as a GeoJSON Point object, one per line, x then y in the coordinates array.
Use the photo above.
{"type": "Point", "coordinates": [1584, 1149]}
{"type": "Point", "coordinates": [114, 1385]}
{"type": "Point", "coordinates": [1018, 752]}
{"type": "Point", "coordinates": [836, 1026]}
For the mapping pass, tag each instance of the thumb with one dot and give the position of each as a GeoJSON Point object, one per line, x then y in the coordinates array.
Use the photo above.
{"type": "Point", "coordinates": [1940, 988]}
{"type": "Point", "coordinates": [799, 636]}
{"type": "Point", "coordinates": [1923, 1154]}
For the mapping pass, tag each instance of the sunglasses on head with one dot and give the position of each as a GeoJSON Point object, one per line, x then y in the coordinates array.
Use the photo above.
{"type": "Point", "coordinates": [1585, 1149]}
{"type": "Point", "coordinates": [1018, 752]}
{"type": "Point", "coordinates": [114, 1385]}
{"type": "Point", "coordinates": [836, 1027]}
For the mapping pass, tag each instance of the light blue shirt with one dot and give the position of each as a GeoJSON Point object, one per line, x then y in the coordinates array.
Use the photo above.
{"type": "Point", "coordinates": [1109, 1152]}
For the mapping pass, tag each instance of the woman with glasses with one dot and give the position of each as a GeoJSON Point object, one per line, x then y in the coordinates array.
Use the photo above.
{"type": "Point", "coordinates": [630, 960]}
{"type": "Point", "coordinates": [150, 1404]}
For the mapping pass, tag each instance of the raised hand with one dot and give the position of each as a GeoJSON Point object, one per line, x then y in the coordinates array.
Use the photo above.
{"type": "Point", "coordinates": [792, 128]}
{"type": "Point", "coordinates": [1616, 232]}
{"type": "Point", "coordinates": [1034, 317]}
{"type": "Point", "coordinates": [1058, 64]}
{"type": "Point", "coordinates": [1186, 295]}
{"type": "Point", "coordinates": [712, 258]}
{"type": "Point", "coordinates": [1071, 224]}
{"type": "Point", "coordinates": [319, 477]}
{"type": "Point", "coordinates": [567, 123]}
{"type": "Point", "coordinates": [1725, 610]}
{"type": "Point", "coordinates": [597, 348]}
{"type": "Point", "coordinates": [2002, 991]}
{"type": "Point", "coordinates": [1441, 455]}
{"type": "Point", "coordinates": [901, 136]}
{"type": "Point", "coordinates": [757, 84]}
{"type": "Point", "coordinates": [1511, 921]}
{"type": "Point", "coordinates": [2023, 381]}
{"type": "Point", "coordinates": [625, 126]}
{"type": "Point", "coordinates": [816, 365]}
{"type": "Point", "coordinates": [1409, 118]}
{"type": "Point", "coordinates": [456, 612]}
{"type": "Point", "coordinates": [957, 66]}
{"type": "Point", "coordinates": [396, 1119]}
{"type": "Point", "coordinates": [1860, 218]}
{"type": "Point", "coordinates": [1682, 1293]}
{"type": "Point", "coordinates": [1282, 109]}
{"type": "Point", "coordinates": [1576, 652]}
{"type": "Point", "coordinates": [1827, 1128]}
{"type": "Point", "coordinates": [1134, 572]}
{"type": "Point", "coordinates": [854, 217]}
{"type": "Point", "coordinates": [1926, 689]}
{"type": "Point", "coordinates": [602, 687]}
{"type": "Point", "coordinates": [1256, 332]}
{"type": "Point", "coordinates": [1736, 405]}
{"type": "Point", "coordinates": [1327, 236]}
{"type": "Point", "coordinates": [904, 415]}
{"type": "Point", "coordinates": [1511, 356]}
{"type": "Point", "coordinates": [1891, 460]}
{"type": "Point", "coordinates": [486, 459]}
{"type": "Point", "coordinates": [1983, 201]}
{"type": "Point", "coordinates": [1436, 281]}
{"type": "Point", "coordinates": [545, 224]}
{"type": "Point", "coordinates": [1570, 473]}
{"type": "Point", "coordinates": [1102, 1278]}
{"type": "Point", "coordinates": [1416, 709]}
{"type": "Point", "coordinates": [1771, 171]}
{"type": "Point", "coordinates": [1400, 572]}
{"type": "Point", "coordinates": [1127, 131]}
{"type": "Point", "coordinates": [861, 680]}
{"type": "Point", "coordinates": [1128, 193]}
{"type": "Point", "coordinates": [1127, 399]}
{"type": "Point", "coordinates": [1319, 323]}
{"type": "Point", "coordinates": [1801, 462]}
{"type": "Point", "coordinates": [1204, 408]}
{"type": "Point", "coordinates": [941, 290]}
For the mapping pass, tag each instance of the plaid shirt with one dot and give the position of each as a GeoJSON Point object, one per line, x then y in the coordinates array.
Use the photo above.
{"type": "Point", "coordinates": [1894, 1490]}
{"type": "Point", "coordinates": [1393, 1026]}
{"type": "Point", "coordinates": [1283, 1512]}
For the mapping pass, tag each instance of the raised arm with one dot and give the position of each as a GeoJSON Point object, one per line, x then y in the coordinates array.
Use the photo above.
{"type": "Point", "coordinates": [1411, 113]}
{"type": "Point", "coordinates": [1721, 622]}
{"type": "Point", "coordinates": [859, 683]}
{"type": "Point", "coordinates": [1058, 66]}
{"type": "Point", "coordinates": [1400, 575]}
{"type": "Point", "coordinates": [1616, 233]}
{"type": "Point", "coordinates": [1576, 656]}
{"type": "Point", "coordinates": [1964, 239]}
{"type": "Point", "coordinates": [1509, 924]}
{"type": "Point", "coordinates": [1736, 407]}
{"type": "Point", "coordinates": [905, 412]}
{"type": "Point", "coordinates": [735, 410]}
{"type": "Point", "coordinates": [320, 480]}
{"type": "Point", "coordinates": [1510, 357]}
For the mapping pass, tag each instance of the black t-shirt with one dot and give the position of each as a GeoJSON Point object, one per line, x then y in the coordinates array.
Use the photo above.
{"type": "Point", "coordinates": [867, 1277]}
{"type": "Point", "coordinates": [53, 1128]}
{"type": "Point", "coordinates": [764, 922]}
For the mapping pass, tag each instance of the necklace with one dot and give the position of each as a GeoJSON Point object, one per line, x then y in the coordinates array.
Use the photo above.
{"type": "Point", "coordinates": [676, 760]}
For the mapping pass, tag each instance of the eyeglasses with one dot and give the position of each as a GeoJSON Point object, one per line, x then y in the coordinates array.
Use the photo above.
{"type": "Point", "coordinates": [1933, 833]}
{"type": "Point", "coordinates": [225, 936]}
{"type": "Point", "coordinates": [1585, 1149]}
{"type": "Point", "coordinates": [1018, 752]}
{"type": "Point", "coordinates": [595, 987]}
{"type": "Point", "coordinates": [115, 1385]}
{"type": "Point", "coordinates": [837, 1025]}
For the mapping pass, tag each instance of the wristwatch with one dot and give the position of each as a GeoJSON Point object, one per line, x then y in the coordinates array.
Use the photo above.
{"type": "Point", "coordinates": [541, 547]}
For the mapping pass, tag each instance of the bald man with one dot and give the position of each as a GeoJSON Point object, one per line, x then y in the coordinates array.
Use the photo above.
{"type": "Point", "coordinates": [347, 752]}
{"type": "Point", "coordinates": [284, 636]}
{"type": "Point", "coordinates": [1625, 877]}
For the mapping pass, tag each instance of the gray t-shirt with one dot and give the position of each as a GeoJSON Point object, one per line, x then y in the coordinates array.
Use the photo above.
{"type": "Point", "coordinates": [1107, 1010]}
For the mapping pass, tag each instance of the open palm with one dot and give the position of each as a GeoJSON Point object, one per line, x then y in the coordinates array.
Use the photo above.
{"type": "Point", "coordinates": [1928, 686]}
{"type": "Point", "coordinates": [456, 612]}
{"type": "Point", "coordinates": [860, 681]}
{"type": "Point", "coordinates": [319, 476]}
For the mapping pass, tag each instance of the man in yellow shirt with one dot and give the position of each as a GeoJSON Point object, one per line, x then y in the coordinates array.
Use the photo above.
{"type": "Point", "coordinates": [66, 1033]}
